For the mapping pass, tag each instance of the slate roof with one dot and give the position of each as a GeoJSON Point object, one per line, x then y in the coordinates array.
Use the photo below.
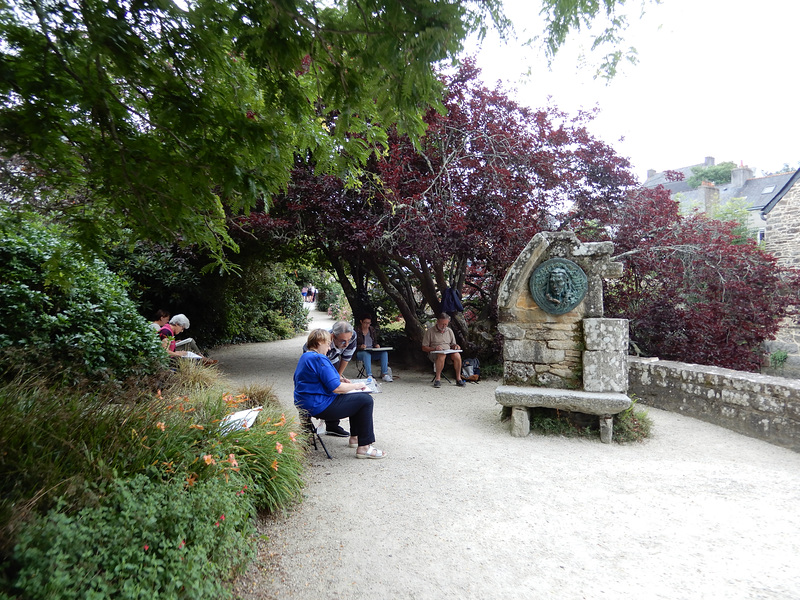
{"type": "Point", "coordinates": [793, 177]}
{"type": "Point", "coordinates": [758, 192]}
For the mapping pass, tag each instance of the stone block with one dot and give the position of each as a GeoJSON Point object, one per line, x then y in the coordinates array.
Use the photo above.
{"type": "Point", "coordinates": [606, 334]}
{"type": "Point", "coordinates": [592, 403]}
{"type": "Point", "coordinates": [605, 371]}
{"type": "Point", "coordinates": [511, 332]}
{"type": "Point", "coordinates": [520, 421]}
{"type": "Point", "coordinates": [527, 351]}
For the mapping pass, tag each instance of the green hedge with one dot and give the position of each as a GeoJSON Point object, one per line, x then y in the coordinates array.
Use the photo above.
{"type": "Point", "coordinates": [59, 305]}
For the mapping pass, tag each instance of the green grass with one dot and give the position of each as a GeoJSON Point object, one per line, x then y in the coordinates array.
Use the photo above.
{"type": "Point", "coordinates": [631, 425]}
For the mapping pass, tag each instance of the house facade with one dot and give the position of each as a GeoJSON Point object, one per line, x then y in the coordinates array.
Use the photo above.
{"type": "Point", "coordinates": [782, 217]}
{"type": "Point", "coordinates": [753, 193]}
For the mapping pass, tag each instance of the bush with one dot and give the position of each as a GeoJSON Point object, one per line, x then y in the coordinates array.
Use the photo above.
{"type": "Point", "coordinates": [56, 440]}
{"type": "Point", "coordinates": [146, 539]}
{"type": "Point", "coordinates": [67, 306]}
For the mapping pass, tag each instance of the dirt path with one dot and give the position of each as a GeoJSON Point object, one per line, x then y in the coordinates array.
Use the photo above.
{"type": "Point", "coordinates": [460, 509]}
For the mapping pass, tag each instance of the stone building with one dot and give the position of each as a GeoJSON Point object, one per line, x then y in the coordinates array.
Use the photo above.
{"type": "Point", "coordinates": [782, 216]}
{"type": "Point", "coordinates": [753, 192]}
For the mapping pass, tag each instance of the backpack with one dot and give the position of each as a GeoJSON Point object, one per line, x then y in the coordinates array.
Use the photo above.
{"type": "Point", "coordinates": [471, 369]}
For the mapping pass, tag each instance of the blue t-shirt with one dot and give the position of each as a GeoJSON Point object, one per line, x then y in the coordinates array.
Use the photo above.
{"type": "Point", "coordinates": [315, 378]}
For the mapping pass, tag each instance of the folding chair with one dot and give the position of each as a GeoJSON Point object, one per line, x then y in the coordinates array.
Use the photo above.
{"type": "Point", "coordinates": [443, 375]}
{"type": "Point", "coordinates": [362, 373]}
{"type": "Point", "coordinates": [311, 429]}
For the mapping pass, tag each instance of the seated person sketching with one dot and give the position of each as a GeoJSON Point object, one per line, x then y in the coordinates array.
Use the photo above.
{"type": "Point", "coordinates": [320, 391]}
{"type": "Point", "coordinates": [367, 337]}
{"type": "Point", "coordinates": [167, 333]}
{"type": "Point", "coordinates": [342, 347]}
{"type": "Point", "coordinates": [162, 318]}
{"type": "Point", "coordinates": [439, 336]}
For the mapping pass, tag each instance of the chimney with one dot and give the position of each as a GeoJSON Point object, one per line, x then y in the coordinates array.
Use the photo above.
{"type": "Point", "coordinates": [740, 175]}
{"type": "Point", "coordinates": [709, 161]}
{"type": "Point", "coordinates": [710, 196]}
{"type": "Point", "coordinates": [651, 173]}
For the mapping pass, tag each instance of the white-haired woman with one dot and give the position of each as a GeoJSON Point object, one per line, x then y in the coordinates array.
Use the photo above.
{"type": "Point", "coordinates": [320, 391]}
{"type": "Point", "coordinates": [167, 333]}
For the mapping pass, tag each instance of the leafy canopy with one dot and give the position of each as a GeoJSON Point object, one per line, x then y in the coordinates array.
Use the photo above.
{"type": "Point", "coordinates": [457, 207]}
{"type": "Point", "coordinates": [164, 117]}
{"type": "Point", "coordinates": [158, 116]}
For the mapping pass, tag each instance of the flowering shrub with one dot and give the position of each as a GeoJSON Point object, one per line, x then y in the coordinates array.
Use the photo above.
{"type": "Point", "coordinates": [167, 511]}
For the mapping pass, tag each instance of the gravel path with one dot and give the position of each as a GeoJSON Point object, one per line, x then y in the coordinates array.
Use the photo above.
{"type": "Point", "coordinates": [460, 509]}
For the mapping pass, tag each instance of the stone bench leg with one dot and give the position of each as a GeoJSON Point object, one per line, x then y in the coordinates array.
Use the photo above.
{"type": "Point", "coordinates": [520, 421]}
{"type": "Point", "coordinates": [606, 428]}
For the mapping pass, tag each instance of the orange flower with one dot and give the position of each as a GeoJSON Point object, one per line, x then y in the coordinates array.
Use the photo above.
{"type": "Point", "coordinates": [161, 425]}
{"type": "Point", "coordinates": [279, 447]}
{"type": "Point", "coordinates": [196, 427]}
{"type": "Point", "coordinates": [209, 459]}
{"type": "Point", "coordinates": [292, 436]}
{"type": "Point", "coordinates": [274, 464]}
{"type": "Point", "coordinates": [232, 460]}
{"type": "Point", "coordinates": [191, 480]}
{"type": "Point", "coordinates": [282, 422]}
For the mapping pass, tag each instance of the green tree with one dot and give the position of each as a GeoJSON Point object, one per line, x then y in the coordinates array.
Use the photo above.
{"type": "Point", "coordinates": [162, 117]}
{"type": "Point", "coordinates": [718, 174]}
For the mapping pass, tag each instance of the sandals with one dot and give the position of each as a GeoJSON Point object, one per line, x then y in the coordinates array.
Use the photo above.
{"type": "Point", "coordinates": [372, 452]}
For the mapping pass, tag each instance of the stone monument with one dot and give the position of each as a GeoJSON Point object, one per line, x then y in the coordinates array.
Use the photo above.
{"type": "Point", "coordinates": [559, 351]}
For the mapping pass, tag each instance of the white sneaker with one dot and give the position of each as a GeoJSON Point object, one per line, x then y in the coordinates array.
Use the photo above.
{"type": "Point", "coordinates": [387, 378]}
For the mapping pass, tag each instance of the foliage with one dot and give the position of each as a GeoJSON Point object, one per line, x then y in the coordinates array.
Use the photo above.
{"type": "Point", "coordinates": [561, 18]}
{"type": "Point", "coordinates": [256, 301]}
{"type": "Point", "coordinates": [158, 276]}
{"type": "Point", "coordinates": [152, 114]}
{"type": "Point", "coordinates": [56, 439]}
{"type": "Point", "coordinates": [66, 307]}
{"type": "Point", "coordinates": [261, 304]}
{"type": "Point", "coordinates": [632, 425]}
{"type": "Point", "coordinates": [778, 358]}
{"type": "Point", "coordinates": [455, 210]}
{"type": "Point", "coordinates": [491, 370]}
{"type": "Point", "coordinates": [329, 293]}
{"type": "Point", "coordinates": [692, 289]}
{"type": "Point", "coordinates": [718, 174]}
{"type": "Point", "coordinates": [144, 539]}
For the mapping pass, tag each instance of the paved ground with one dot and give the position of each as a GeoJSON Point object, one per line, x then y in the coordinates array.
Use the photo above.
{"type": "Point", "coordinates": [460, 509]}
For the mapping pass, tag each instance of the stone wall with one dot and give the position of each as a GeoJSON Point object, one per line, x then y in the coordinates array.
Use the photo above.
{"type": "Point", "coordinates": [756, 405]}
{"type": "Point", "coordinates": [783, 241]}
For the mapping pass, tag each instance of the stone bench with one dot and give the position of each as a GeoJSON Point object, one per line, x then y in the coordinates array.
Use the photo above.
{"type": "Point", "coordinates": [519, 399]}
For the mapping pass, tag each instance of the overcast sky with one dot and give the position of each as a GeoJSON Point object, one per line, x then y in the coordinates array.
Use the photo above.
{"type": "Point", "coordinates": [714, 78]}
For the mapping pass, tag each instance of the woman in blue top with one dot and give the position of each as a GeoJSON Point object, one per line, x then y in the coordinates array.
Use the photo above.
{"type": "Point", "coordinates": [320, 391]}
